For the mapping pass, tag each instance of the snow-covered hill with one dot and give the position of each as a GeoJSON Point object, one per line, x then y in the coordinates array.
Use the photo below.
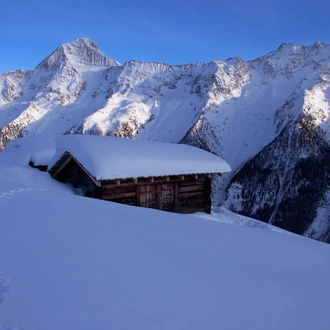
{"type": "Point", "coordinates": [70, 262]}
{"type": "Point", "coordinates": [232, 108]}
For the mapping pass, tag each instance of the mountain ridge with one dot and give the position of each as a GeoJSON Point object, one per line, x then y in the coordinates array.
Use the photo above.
{"type": "Point", "coordinates": [233, 108]}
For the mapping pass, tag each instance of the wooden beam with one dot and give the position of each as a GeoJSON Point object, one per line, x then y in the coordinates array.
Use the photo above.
{"type": "Point", "coordinates": [192, 183]}
{"type": "Point", "coordinates": [138, 196]}
{"type": "Point", "coordinates": [62, 166]}
{"type": "Point", "coordinates": [183, 179]}
{"type": "Point", "coordinates": [114, 185]}
{"type": "Point", "coordinates": [191, 188]}
{"type": "Point", "coordinates": [176, 194]}
{"type": "Point", "coordinates": [190, 195]}
{"type": "Point", "coordinates": [118, 195]}
{"type": "Point", "coordinates": [97, 182]}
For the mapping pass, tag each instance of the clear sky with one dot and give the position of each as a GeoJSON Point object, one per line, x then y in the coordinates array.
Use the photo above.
{"type": "Point", "coordinates": [174, 32]}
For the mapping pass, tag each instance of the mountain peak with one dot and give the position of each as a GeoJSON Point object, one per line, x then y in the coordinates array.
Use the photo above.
{"type": "Point", "coordinates": [84, 42]}
{"type": "Point", "coordinates": [286, 48]}
{"type": "Point", "coordinates": [80, 51]}
{"type": "Point", "coordinates": [318, 44]}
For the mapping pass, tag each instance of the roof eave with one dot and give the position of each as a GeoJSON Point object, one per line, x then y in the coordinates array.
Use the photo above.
{"type": "Point", "coordinates": [54, 171]}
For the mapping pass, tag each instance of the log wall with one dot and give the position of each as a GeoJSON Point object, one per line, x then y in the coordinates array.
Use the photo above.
{"type": "Point", "coordinates": [181, 194]}
{"type": "Point", "coordinates": [177, 193]}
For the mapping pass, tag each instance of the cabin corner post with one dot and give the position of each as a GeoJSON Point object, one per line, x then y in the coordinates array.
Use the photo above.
{"type": "Point", "coordinates": [99, 193]}
{"type": "Point", "coordinates": [207, 195]}
{"type": "Point", "coordinates": [176, 197]}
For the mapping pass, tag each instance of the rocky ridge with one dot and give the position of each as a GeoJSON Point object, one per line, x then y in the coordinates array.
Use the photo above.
{"type": "Point", "coordinates": [268, 118]}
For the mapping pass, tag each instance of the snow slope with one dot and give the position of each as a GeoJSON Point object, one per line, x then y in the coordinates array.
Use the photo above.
{"type": "Point", "coordinates": [221, 214]}
{"type": "Point", "coordinates": [69, 262]}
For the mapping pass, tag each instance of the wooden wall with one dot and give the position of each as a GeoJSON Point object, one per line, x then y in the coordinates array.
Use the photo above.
{"type": "Point", "coordinates": [181, 194]}
{"type": "Point", "coordinates": [177, 193]}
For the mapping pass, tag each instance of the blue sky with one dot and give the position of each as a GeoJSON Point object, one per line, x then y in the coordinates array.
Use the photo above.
{"type": "Point", "coordinates": [174, 32]}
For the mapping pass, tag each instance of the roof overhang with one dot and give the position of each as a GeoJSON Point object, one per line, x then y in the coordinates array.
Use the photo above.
{"type": "Point", "coordinates": [63, 161]}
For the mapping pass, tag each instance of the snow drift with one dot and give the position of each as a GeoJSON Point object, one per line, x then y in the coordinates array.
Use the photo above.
{"type": "Point", "coordinates": [69, 262]}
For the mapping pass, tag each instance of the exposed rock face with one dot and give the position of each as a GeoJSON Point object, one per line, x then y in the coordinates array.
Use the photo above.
{"type": "Point", "coordinates": [268, 118]}
{"type": "Point", "coordinates": [286, 183]}
{"type": "Point", "coordinates": [16, 127]}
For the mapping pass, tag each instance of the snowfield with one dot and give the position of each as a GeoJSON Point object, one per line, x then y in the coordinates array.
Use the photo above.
{"type": "Point", "coordinates": [69, 262]}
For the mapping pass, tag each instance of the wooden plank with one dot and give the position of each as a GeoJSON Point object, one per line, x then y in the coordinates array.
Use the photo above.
{"type": "Point", "coordinates": [118, 195]}
{"type": "Point", "coordinates": [142, 195]}
{"type": "Point", "coordinates": [143, 181]}
{"type": "Point", "coordinates": [147, 195]}
{"type": "Point", "coordinates": [191, 200]}
{"type": "Point", "coordinates": [191, 188]}
{"type": "Point", "coordinates": [166, 197]}
{"type": "Point", "coordinates": [187, 210]}
{"type": "Point", "coordinates": [190, 194]}
{"type": "Point", "coordinates": [129, 181]}
{"type": "Point", "coordinates": [120, 188]}
{"type": "Point", "coordinates": [176, 193]}
{"type": "Point", "coordinates": [188, 179]}
{"type": "Point", "coordinates": [97, 182]}
{"type": "Point", "coordinates": [137, 196]}
{"type": "Point", "coordinates": [191, 183]}
{"type": "Point", "coordinates": [66, 162]}
{"type": "Point", "coordinates": [114, 185]}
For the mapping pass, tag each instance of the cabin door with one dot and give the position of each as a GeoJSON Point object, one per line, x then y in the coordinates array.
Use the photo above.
{"type": "Point", "coordinates": [147, 196]}
{"type": "Point", "coordinates": [166, 196]}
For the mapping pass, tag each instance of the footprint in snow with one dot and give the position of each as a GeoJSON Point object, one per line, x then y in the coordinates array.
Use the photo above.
{"type": "Point", "coordinates": [12, 192]}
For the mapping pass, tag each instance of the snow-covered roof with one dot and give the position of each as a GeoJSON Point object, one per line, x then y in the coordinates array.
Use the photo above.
{"type": "Point", "coordinates": [37, 149]}
{"type": "Point", "coordinates": [107, 158]}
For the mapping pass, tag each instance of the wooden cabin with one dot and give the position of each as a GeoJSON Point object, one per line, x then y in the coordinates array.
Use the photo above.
{"type": "Point", "coordinates": [164, 176]}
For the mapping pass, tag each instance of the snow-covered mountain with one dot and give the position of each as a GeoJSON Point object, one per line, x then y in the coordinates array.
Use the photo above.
{"type": "Point", "coordinates": [264, 117]}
